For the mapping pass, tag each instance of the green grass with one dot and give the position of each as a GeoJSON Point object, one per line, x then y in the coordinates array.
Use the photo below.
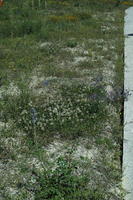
{"type": "Point", "coordinates": [60, 126]}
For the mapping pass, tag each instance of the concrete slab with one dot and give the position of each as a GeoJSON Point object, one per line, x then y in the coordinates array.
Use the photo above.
{"type": "Point", "coordinates": [128, 107]}
{"type": "Point", "coordinates": [129, 21]}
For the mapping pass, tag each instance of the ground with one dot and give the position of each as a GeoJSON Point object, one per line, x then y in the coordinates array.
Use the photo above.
{"type": "Point", "coordinates": [61, 95]}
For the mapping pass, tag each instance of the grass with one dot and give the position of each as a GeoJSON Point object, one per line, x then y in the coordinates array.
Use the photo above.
{"type": "Point", "coordinates": [61, 81]}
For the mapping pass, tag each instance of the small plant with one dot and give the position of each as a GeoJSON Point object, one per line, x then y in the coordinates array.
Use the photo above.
{"type": "Point", "coordinates": [71, 43]}
{"type": "Point", "coordinates": [63, 183]}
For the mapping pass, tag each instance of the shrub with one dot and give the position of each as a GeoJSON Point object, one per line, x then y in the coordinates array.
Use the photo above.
{"type": "Point", "coordinates": [63, 183]}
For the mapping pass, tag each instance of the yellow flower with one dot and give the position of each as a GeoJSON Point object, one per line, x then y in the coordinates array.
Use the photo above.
{"type": "Point", "coordinates": [127, 3]}
{"type": "Point", "coordinates": [56, 18]}
{"type": "Point", "coordinates": [63, 18]}
{"type": "Point", "coordinates": [71, 18]}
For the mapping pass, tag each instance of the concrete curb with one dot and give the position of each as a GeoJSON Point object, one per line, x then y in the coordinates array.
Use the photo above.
{"type": "Point", "coordinates": [128, 107]}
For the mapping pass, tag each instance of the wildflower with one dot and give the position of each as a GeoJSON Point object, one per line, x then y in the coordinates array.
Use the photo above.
{"type": "Point", "coordinates": [127, 3]}
{"type": "Point", "coordinates": [33, 115]}
{"type": "Point", "coordinates": [71, 18]}
{"type": "Point", "coordinates": [45, 83]}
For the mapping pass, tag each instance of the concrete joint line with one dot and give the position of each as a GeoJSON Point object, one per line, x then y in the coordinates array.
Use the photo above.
{"type": "Point", "coordinates": [127, 180]}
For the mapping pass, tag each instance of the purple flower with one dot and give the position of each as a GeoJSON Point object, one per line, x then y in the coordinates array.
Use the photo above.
{"type": "Point", "coordinates": [33, 115]}
{"type": "Point", "coordinates": [45, 83]}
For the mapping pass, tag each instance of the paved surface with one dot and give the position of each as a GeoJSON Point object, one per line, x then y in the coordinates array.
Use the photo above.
{"type": "Point", "coordinates": [128, 106]}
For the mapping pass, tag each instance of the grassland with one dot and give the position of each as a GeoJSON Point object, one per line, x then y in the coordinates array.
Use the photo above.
{"type": "Point", "coordinates": [61, 95]}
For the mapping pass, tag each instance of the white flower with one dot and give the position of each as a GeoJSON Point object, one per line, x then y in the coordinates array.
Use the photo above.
{"type": "Point", "coordinates": [24, 112]}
